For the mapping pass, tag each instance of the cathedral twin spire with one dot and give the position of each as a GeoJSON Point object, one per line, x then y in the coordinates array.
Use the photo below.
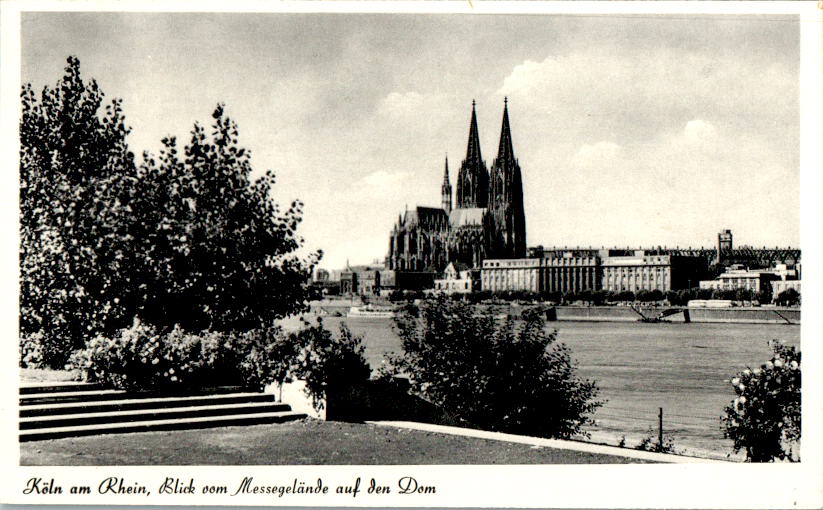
{"type": "Point", "coordinates": [500, 190]}
{"type": "Point", "coordinates": [485, 219]}
{"type": "Point", "coordinates": [473, 178]}
{"type": "Point", "coordinates": [473, 186]}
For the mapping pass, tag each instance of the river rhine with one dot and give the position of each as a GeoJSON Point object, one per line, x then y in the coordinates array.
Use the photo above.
{"type": "Point", "coordinates": [683, 368]}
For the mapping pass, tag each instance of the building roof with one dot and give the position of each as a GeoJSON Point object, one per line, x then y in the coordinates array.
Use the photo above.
{"type": "Point", "coordinates": [467, 216]}
{"type": "Point", "coordinates": [425, 217]}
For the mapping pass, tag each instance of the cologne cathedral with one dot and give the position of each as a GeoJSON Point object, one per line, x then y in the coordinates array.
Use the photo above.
{"type": "Point", "coordinates": [486, 219]}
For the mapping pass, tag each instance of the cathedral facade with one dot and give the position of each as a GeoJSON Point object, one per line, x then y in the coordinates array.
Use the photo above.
{"type": "Point", "coordinates": [484, 219]}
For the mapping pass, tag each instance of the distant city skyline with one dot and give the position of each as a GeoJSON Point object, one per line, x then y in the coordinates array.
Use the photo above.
{"type": "Point", "coordinates": [630, 132]}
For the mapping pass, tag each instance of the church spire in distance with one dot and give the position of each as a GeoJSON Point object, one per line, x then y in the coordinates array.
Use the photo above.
{"type": "Point", "coordinates": [506, 151]}
{"type": "Point", "coordinates": [446, 190]}
{"type": "Point", "coordinates": [506, 195]}
{"type": "Point", "coordinates": [473, 149]}
{"type": "Point", "coordinates": [473, 178]}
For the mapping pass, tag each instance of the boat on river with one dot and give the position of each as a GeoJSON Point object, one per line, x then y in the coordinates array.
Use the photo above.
{"type": "Point", "coordinates": [371, 311]}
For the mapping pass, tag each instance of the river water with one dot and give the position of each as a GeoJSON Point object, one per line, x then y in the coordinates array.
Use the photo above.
{"type": "Point", "coordinates": [682, 368]}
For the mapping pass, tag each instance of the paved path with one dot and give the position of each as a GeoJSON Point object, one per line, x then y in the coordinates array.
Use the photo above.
{"type": "Point", "coordinates": [549, 443]}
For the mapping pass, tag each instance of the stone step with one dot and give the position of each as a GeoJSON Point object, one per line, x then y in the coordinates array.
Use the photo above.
{"type": "Point", "coordinates": [150, 414]}
{"type": "Point", "coordinates": [128, 404]}
{"type": "Point", "coordinates": [71, 396]}
{"type": "Point", "coordinates": [57, 387]}
{"type": "Point", "coordinates": [94, 395]}
{"type": "Point", "coordinates": [168, 424]}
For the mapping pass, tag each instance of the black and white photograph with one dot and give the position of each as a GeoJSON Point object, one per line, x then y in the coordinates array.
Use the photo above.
{"type": "Point", "coordinates": [446, 254]}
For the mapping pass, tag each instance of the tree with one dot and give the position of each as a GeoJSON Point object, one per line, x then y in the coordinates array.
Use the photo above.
{"type": "Point", "coordinates": [788, 297]}
{"type": "Point", "coordinates": [75, 216]}
{"type": "Point", "coordinates": [187, 239]}
{"type": "Point", "coordinates": [764, 419]}
{"type": "Point", "coordinates": [496, 374]}
{"type": "Point", "coordinates": [655, 295]}
{"type": "Point", "coordinates": [222, 255]}
{"type": "Point", "coordinates": [624, 295]}
{"type": "Point", "coordinates": [599, 297]}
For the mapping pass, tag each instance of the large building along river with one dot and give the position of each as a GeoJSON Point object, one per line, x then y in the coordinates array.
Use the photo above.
{"type": "Point", "coordinates": [476, 240]}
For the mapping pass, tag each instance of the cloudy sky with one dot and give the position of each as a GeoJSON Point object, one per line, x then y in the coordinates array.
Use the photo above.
{"type": "Point", "coordinates": [629, 130]}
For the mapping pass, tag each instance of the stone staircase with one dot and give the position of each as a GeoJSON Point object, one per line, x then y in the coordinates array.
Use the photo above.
{"type": "Point", "coordinates": [49, 411]}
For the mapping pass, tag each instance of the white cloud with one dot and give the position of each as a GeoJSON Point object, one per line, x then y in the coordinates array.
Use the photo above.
{"type": "Point", "coordinates": [597, 153]}
{"type": "Point", "coordinates": [666, 147]}
{"type": "Point", "coordinates": [699, 130]}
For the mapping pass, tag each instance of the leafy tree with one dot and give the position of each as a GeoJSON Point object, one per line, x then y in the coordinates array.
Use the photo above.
{"type": "Point", "coordinates": [624, 295]}
{"type": "Point", "coordinates": [75, 215]}
{"type": "Point", "coordinates": [496, 374]}
{"type": "Point", "coordinates": [222, 255]}
{"type": "Point", "coordinates": [764, 419]}
{"type": "Point", "coordinates": [655, 295]}
{"type": "Point", "coordinates": [599, 297]}
{"type": "Point", "coordinates": [703, 294]}
{"type": "Point", "coordinates": [744, 295]}
{"type": "Point", "coordinates": [585, 295]}
{"type": "Point", "coordinates": [554, 296]}
{"type": "Point", "coordinates": [788, 297]}
{"type": "Point", "coordinates": [189, 239]}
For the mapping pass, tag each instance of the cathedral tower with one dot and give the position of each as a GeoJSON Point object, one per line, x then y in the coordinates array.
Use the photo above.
{"type": "Point", "coordinates": [473, 178]}
{"type": "Point", "coordinates": [506, 196]}
{"type": "Point", "coordinates": [446, 190]}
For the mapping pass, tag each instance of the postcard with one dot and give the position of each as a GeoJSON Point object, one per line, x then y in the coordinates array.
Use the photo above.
{"type": "Point", "coordinates": [412, 254]}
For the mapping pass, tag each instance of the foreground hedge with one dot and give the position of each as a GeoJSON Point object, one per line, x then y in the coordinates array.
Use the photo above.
{"type": "Point", "coordinates": [143, 358]}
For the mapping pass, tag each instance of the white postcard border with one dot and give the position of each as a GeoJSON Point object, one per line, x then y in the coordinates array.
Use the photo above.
{"type": "Point", "coordinates": [570, 486]}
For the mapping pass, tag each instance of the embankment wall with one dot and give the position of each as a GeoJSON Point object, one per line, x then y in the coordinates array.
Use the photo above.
{"type": "Point", "coordinates": [741, 315]}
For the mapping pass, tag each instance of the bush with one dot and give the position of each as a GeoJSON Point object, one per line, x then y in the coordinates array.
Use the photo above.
{"type": "Point", "coordinates": [142, 358]}
{"type": "Point", "coordinates": [788, 297]}
{"type": "Point", "coordinates": [39, 350]}
{"type": "Point", "coordinates": [326, 361]}
{"type": "Point", "coordinates": [624, 295]}
{"type": "Point", "coordinates": [764, 419]}
{"type": "Point", "coordinates": [496, 374]}
{"type": "Point", "coordinates": [649, 444]}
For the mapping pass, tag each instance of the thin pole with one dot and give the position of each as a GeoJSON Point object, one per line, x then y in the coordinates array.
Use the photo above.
{"type": "Point", "coordinates": [660, 429]}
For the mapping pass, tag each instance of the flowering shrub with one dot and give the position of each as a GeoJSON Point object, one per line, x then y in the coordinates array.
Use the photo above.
{"type": "Point", "coordinates": [327, 361]}
{"type": "Point", "coordinates": [262, 356]}
{"type": "Point", "coordinates": [39, 350]}
{"type": "Point", "coordinates": [764, 419]}
{"type": "Point", "coordinates": [141, 358]}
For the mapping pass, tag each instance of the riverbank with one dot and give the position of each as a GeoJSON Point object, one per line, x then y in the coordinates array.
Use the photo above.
{"type": "Point", "coordinates": [736, 315]}
{"type": "Point", "coordinates": [619, 313]}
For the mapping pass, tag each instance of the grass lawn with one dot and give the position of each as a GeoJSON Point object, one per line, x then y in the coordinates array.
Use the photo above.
{"type": "Point", "coordinates": [292, 443]}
